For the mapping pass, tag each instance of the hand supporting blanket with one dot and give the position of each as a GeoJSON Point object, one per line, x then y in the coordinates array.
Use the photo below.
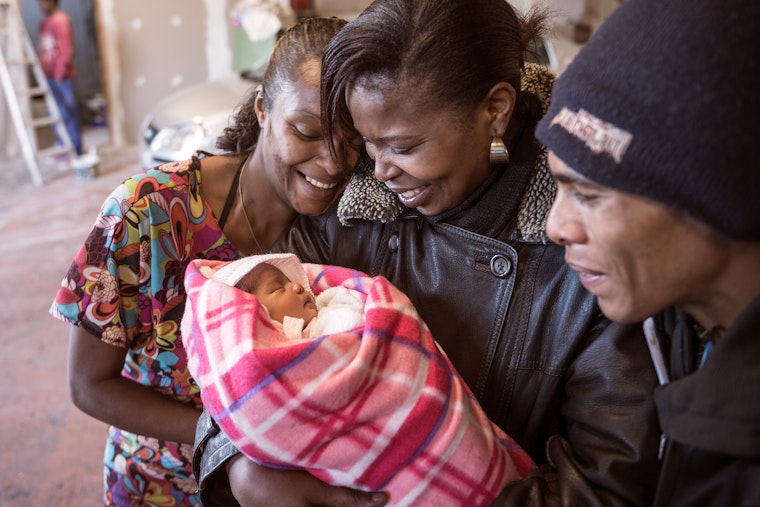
{"type": "Point", "coordinates": [376, 408]}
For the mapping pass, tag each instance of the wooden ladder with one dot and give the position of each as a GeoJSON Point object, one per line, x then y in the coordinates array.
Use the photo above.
{"type": "Point", "coordinates": [23, 81]}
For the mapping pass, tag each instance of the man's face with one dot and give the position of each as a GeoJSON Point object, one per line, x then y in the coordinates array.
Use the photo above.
{"type": "Point", "coordinates": [637, 256]}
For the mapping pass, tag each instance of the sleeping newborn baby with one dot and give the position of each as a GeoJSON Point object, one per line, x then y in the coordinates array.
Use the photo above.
{"type": "Point", "coordinates": [282, 287]}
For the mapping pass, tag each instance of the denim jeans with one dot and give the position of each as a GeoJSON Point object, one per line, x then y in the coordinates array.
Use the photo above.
{"type": "Point", "coordinates": [63, 91]}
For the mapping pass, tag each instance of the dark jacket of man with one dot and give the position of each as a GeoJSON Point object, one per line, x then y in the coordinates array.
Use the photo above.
{"type": "Point", "coordinates": [711, 415]}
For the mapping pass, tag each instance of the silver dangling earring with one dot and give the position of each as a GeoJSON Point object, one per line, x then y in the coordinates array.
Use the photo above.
{"type": "Point", "coordinates": [499, 153]}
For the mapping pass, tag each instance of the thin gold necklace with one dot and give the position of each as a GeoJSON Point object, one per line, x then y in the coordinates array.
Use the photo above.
{"type": "Point", "coordinates": [242, 204]}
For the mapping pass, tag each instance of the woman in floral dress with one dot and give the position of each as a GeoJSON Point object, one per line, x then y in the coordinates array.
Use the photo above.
{"type": "Point", "coordinates": [124, 293]}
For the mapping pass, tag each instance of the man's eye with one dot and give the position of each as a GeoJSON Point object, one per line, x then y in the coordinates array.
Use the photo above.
{"type": "Point", "coordinates": [583, 197]}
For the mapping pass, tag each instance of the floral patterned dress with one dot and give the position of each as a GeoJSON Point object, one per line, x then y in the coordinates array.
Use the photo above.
{"type": "Point", "coordinates": [125, 286]}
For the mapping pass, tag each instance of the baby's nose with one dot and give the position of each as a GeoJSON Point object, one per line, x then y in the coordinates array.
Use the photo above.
{"type": "Point", "coordinates": [297, 288]}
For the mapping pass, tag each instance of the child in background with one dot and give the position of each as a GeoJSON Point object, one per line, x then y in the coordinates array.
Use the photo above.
{"type": "Point", "coordinates": [55, 49]}
{"type": "Point", "coordinates": [377, 406]}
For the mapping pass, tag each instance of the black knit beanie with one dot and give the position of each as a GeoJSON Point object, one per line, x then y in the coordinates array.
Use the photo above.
{"type": "Point", "coordinates": [664, 102]}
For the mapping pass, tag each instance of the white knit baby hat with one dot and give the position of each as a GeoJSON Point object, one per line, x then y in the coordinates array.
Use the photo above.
{"type": "Point", "coordinates": [288, 263]}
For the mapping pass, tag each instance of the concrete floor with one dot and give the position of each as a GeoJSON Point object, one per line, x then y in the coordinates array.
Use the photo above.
{"type": "Point", "coordinates": [50, 452]}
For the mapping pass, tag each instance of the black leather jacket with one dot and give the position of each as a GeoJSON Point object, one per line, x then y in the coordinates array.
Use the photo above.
{"type": "Point", "coordinates": [711, 415]}
{"type": "Point", "coordinates": [525, 335]}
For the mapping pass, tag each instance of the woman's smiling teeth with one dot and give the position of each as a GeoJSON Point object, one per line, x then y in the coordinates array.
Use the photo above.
{"type": "Point", "coordinates": [409, 194]}
{"type": "Point", "coordinates": [319, 184]}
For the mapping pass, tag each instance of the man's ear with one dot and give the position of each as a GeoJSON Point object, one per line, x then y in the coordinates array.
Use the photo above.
{"type": "Point", "coordinates": [258, 104]}
{"type": "Point", "coordinates": [501, 100]}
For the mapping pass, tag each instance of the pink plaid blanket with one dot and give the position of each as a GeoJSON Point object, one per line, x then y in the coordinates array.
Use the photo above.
{"type": "Point", "coordinates": [377, 408]}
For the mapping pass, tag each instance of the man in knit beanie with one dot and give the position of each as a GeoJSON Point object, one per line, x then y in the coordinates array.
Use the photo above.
{"type": "Point", "coordinates": [651, 136]}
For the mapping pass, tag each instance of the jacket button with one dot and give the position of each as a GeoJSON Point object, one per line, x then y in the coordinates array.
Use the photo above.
{"type": "Point", "coordinates": [500, 266]}
{"type": "Point", "coordinates": [393, 242]}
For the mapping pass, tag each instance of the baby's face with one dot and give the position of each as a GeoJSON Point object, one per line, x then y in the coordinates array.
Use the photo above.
{"type": "Point", "coordinates": [281, 296]}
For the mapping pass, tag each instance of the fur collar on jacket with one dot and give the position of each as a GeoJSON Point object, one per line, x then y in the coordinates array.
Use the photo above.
{"type": "Point", "coordinates": [366, 198]}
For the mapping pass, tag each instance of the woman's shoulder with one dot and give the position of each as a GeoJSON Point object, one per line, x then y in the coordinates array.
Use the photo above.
{"type": "Point", "coordinates": [168, 180]}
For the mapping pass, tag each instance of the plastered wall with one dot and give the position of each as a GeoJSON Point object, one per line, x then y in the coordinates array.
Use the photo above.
{"type": "Point", "coordinates": [150, 48]}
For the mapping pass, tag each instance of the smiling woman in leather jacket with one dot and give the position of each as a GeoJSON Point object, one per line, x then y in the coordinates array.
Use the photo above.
{"type": "Point", "coordinates": [462, 234]}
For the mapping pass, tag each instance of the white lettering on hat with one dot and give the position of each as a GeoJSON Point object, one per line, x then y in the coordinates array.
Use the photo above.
{"type": "Point", "coordinates": [598, 135]}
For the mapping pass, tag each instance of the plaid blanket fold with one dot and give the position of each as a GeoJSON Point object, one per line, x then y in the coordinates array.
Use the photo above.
{"type": "Point", "coordinates": [376, 408]}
